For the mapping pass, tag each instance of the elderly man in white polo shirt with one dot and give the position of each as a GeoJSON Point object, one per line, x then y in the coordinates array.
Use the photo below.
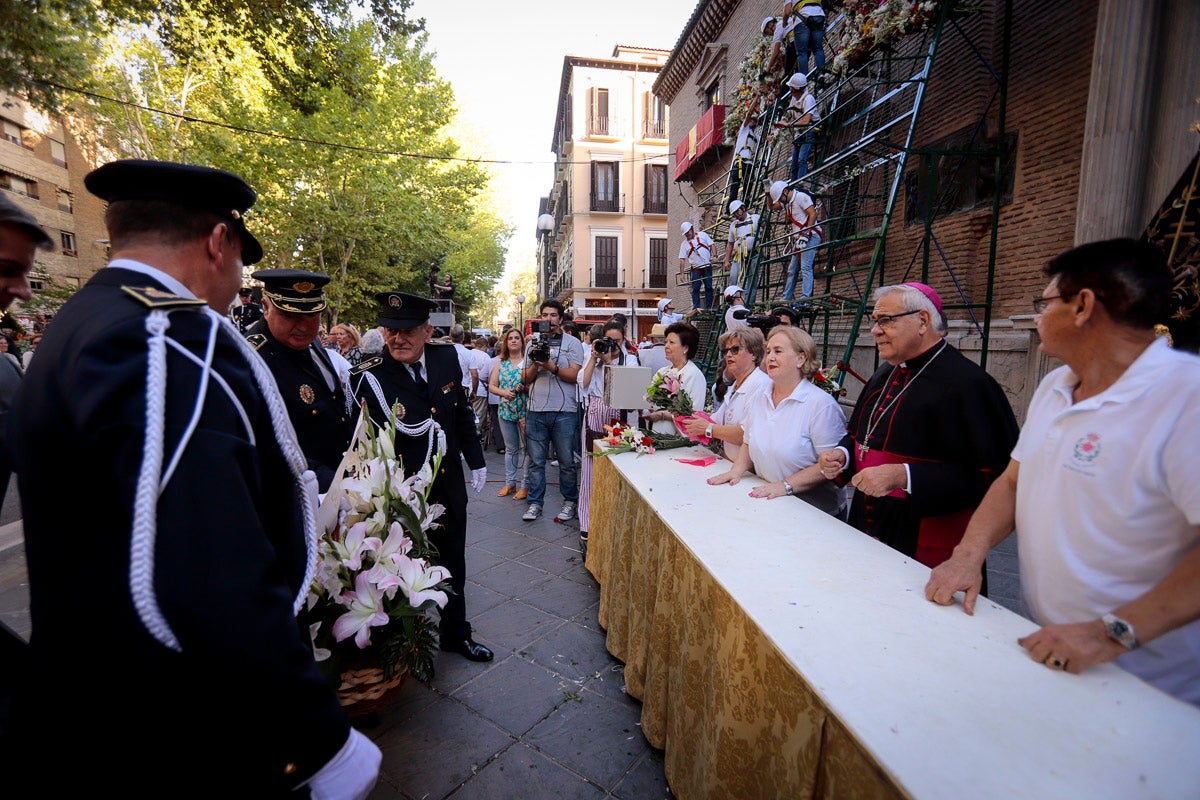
{"type": "Point", "coordinates": [1102, 485]}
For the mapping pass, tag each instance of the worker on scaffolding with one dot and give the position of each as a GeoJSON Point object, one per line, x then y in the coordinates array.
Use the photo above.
{"type": "Point", "coordinates": [741, 240]}
{"type": "Point", "coordinates": [801, 116]}
{"type": "Point", "coordinates": [743, 152]}
{"type": "Point", "coordinates": [695, 256]}
{"type": "Point", "coordinates": [805, 236]}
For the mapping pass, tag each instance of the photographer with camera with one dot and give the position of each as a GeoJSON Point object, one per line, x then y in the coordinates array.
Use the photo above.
{"type": "Point", "coordinates": [552, 364]}
{"type": "Point", "coordinates": [608, 349]}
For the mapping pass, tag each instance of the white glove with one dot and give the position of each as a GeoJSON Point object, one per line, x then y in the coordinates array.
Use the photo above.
{"type": "Point", "coordinates": [478, 478]}
{"type": "Point", "coordinates": [351, 774]}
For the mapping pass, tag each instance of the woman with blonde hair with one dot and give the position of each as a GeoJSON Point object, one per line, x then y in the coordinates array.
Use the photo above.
{"type": "Point", "coordinates": [349, 343]}
{"type": "Point", "coordinates": [788, 426]}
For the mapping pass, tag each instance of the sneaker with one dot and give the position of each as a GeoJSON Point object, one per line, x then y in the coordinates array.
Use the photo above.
{"type": "Point", "coordinates": [532, 513]}
{"type": "Point", "coordinates": [568, 512]}
{"type": "Point", "coordinates": [554, 463]}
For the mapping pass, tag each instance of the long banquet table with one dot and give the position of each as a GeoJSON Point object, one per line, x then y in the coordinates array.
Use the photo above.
{"type": "Point", "coordinates": [779, 653]}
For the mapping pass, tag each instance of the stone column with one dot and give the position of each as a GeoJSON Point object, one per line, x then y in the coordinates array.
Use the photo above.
{"type": "Point", "coordinates": [1116, 136]}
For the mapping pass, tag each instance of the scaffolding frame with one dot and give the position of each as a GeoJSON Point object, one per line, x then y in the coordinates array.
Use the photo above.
{"type": "Point", "coordinates": [861, 154]}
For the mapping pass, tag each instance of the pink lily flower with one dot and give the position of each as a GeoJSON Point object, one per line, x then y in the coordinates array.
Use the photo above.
{"type": "Point", "coordinates": [366, 612]}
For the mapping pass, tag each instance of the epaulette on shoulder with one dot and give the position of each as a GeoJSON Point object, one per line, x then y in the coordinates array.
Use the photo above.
{"type": "Point", "coordinates": [257, 340]}
{"type": "Point", "coordinates": [157, 298]}
{"type": "Point", "coordinates": [439, 343]}
{"type": "Point", "coordinates": [366, 364]}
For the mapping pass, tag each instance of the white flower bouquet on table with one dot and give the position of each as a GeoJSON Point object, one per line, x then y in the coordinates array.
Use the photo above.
{"type": "Point", "coordinates": [370, 600]}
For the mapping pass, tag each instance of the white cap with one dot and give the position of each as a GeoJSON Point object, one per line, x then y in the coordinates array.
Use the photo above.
{"type": "Point", "coordinates": [666, 301]}
{"type": "Point", "coordinates": [685, 227]}
{"type": "Point", "coordinates": [766, 22]}
{"type": "Point", "coordinates": [734, 205]}
{"type": "Point", "coordinates": [797, 81]}
{"type": "Point", "coordinates": [730, 291]}
{"type": "Point", "coordinates": [777, 190]}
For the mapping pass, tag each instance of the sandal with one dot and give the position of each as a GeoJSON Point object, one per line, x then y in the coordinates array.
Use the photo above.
{"type": "Point", "coordinates": [506, 491]}
{"type": "Point", "coordinates": [521, 494]}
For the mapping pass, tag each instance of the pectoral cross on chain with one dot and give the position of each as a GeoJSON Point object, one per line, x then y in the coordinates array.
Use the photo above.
{"type": "Point", "coordinates": [863, 449]}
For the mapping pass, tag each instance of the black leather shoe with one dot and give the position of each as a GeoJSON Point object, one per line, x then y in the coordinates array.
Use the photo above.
{"type": "Point", "coordinates": [468, 648]}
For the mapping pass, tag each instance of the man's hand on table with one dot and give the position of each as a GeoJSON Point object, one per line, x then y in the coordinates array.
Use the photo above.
{"type": "Point", "coordinates": [1073, 647]}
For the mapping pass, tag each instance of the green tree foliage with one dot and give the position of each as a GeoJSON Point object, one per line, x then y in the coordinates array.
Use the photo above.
{"type": "Point", "coordinates": [373, 211]}
{"type": "Point", "coordinates": [44, 43]}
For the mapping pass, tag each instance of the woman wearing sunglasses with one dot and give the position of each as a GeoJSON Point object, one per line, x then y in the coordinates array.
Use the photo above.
{"type": "Point", "coordinates": [741, 353]}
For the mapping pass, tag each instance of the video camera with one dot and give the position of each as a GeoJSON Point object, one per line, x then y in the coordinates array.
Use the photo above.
{"type": "Point", "coordinates": [763, 322]}
{"type": "Point", "coordinates": [539, 351]}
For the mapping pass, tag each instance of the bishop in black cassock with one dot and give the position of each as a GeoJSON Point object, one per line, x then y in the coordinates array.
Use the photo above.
{"type": "Point", "coordinates": [937, 415]}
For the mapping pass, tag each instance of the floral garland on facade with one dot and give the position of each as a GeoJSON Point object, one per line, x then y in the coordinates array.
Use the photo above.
{"type": "Point", "coordinates": [755, 87]}
{"type": "Point", "coordinates": [869, 24]}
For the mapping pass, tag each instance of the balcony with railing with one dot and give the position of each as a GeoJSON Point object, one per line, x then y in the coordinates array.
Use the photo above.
{"type": "Point", "coordinates": [598, 125]}
{"type": "Point", "coordinates": [606, 202]}
{"type": "Point", "coordinates": [654, 129]}
{"type": "Point", "coordinates": [655, 204]}
{"type": "Point", "coordinates": [702, 140]}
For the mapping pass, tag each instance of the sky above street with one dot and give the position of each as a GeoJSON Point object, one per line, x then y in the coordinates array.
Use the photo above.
{"type": "Point", "coordinates": [504, 60]}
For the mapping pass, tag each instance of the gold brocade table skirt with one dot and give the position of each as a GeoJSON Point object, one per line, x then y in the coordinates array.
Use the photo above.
{"type": "Point", "coordinates": [733, 715]}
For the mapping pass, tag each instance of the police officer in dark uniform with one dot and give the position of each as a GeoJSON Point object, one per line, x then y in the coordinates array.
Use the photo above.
{"type": "Point", "coordinates": [419, 379]}
{"type": "Point", "coordinates": [246, 312]}
{"type": "Point", "coordinates": [286, 338]}
{"type": "Point", "coordinates": [153, 447]}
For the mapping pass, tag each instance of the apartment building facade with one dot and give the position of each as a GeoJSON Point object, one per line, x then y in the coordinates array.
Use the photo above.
{"type": "Point", "coordinates": [607, 250]}
{"type": "Point", "coordinates": [42, 169]}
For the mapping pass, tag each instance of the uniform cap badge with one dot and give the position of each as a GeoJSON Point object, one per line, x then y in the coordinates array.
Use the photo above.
{"type": "Point", "coordinates": [394, 301]}
{"type": "Point", "coordinates": [304, 287]}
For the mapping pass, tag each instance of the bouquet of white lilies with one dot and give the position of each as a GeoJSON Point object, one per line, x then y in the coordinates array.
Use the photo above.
{"type": "Point", "coordinates": [374, 584]}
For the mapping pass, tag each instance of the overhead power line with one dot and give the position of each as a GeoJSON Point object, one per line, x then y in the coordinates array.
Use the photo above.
{"type": "Point", "coordinates": [304, 140]}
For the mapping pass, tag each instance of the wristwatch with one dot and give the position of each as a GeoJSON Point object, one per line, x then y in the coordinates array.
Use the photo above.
{"type": "Point", "coordinates": [1120, 631]}
{"type": "Point", "coordinates": [708, 431]}
{"type": "Point", "coordinates": [787, 489]}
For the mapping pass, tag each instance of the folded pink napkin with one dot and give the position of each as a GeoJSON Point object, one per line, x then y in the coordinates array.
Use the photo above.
{"type": "Point", "coordinates": [681, 424]}
{"type": "Point", "coordinates": [698, 462]}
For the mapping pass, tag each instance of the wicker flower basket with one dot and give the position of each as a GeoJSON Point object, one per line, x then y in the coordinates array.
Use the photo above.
{"type": "Point", "coordinates": [363, 688]}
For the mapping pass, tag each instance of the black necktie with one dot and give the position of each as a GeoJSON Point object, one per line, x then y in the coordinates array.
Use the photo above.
{"type": "Point", "coordinates": [418, 379]}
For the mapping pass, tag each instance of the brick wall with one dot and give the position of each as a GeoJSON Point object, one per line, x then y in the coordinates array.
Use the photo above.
{"type": "Point", "coordinates": [1047, 103]}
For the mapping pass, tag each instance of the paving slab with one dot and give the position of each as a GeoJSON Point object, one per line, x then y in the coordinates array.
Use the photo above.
{"type": "Point", "coordinates": [593, 736]}
{"type": "Point", "coordinates": [560, 596]}
{"type": "Point", "coordinates": [522, 773]}
{"type": "Point", "coordinates": [645, 780]}
{"type": "Point", "coordinates": [572, 651]}
{"type": "Point", "coordinates": [439, 748]}
{"type": "Point", "coordinates": [512, 625]}
{"type": "Point", "coordinates": [515, 694]}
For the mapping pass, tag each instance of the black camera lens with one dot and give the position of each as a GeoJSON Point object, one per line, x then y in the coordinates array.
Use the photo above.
{"type": "Point", "coordinates": [604, 345]}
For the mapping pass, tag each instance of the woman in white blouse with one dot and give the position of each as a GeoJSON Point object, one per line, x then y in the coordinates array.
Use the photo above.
{"type": "Point", "coordinates": [681, 344]}
{"type": "Point", "coordinates": [742, 350]}
{"type": "Point", "coordinates": [787, 427]}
